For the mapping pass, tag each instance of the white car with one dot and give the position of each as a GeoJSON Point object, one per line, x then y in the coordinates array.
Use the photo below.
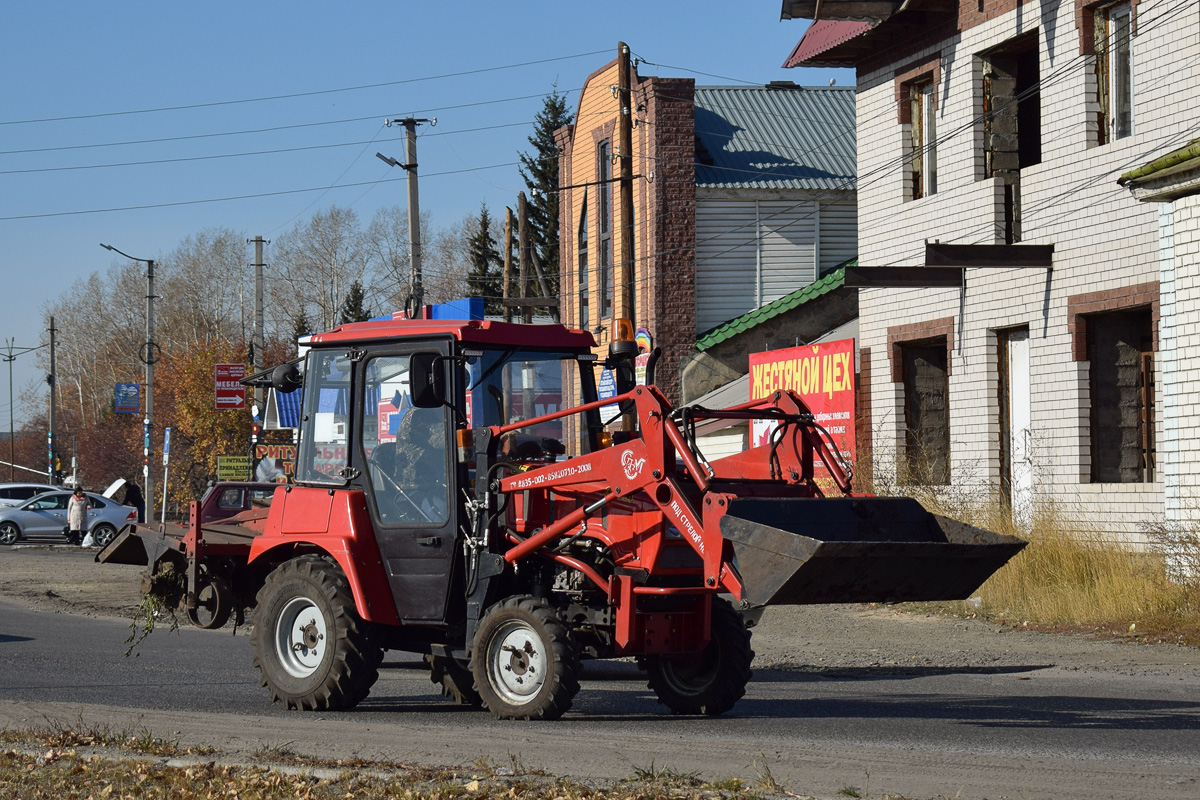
{"type": "Point", "coordinates": [12, 494]}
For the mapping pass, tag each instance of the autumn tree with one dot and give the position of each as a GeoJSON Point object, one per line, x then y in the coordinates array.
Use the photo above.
{"type": "Point", "coordinates": [314, 265]}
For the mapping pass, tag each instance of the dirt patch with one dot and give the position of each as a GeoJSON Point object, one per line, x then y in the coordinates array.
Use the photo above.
{"type": "Point", "coordinates": [67, 579]}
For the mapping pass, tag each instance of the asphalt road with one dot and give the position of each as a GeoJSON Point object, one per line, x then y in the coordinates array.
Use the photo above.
{"type": "Point", "coordinates": [1031, 729]}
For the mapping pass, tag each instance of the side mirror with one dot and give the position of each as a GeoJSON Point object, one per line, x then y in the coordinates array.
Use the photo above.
{"type": "Point", "coordinates": [426, 380]}
{"type": "Point", "coordinates": [286, 378]}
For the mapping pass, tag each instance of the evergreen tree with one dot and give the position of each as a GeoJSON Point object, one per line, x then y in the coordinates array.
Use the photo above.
{"type": "Point", "coordinates": [486, 278]}
{"type": "Point", "coordinates": [540, 171]}
{"type": "Point", "coordinates": [301, 325]}
{"type": "Point", "coordinates": [353, 309]}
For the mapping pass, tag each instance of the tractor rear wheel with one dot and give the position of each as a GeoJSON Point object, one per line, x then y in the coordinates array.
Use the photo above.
{"type": "Point", "coordinates": [312, 650]}
{"type": "Point", "coordinates": [454, 679]}
{"type": "Point", "coordinates": [525, 662]}
{"type": "Point", "coordinates": [711, 681]}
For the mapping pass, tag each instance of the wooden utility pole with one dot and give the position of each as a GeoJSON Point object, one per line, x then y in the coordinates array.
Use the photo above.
{"type": "Point", "coordinates": [523, 254]}
{"type": "Point", "coordinates": [625, 154]}
{"type": "Point", "coordinates": [508, 242]}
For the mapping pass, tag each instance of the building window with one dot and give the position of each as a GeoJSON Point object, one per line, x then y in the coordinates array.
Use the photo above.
{"type": "Point", "coordinates": [1120, 351]}
{"type": "Point", "coordinates": [1114, 71]}
{"type": "Point", "coordinates": [922, 139]}
{"type": "Point", "coordinates": [1012, 123]}
{"type": "Point", "coordinates": [584, 319]}
{"type": "Point", "coordinates": [926, 412]}
{"type": "Point", "coordinates": [604, 220]}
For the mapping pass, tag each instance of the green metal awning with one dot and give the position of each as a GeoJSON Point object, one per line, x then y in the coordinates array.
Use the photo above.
{"type": "Point", "coordinates": [819, 288]}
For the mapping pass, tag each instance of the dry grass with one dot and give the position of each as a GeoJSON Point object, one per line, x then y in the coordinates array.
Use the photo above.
{"type": "Point", "coordinates": [58, 761]}
{"type": "Point", "coordinates": [1067, 578]}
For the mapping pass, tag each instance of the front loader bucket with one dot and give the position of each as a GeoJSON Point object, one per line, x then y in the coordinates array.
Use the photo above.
{"type": "Point", "coordinates": [798, 551]}
{"type": "Point", "coordinates": [142, 544]}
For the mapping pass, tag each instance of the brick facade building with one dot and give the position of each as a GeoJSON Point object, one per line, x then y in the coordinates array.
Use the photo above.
{"type": "Point", "coordinates": [741, 195]}
{"type": "Point", "coordinates": [1008, 122]}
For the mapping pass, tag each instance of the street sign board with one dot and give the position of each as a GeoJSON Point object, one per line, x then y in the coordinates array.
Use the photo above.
{"type": "Point", "coordinates": [607, 388]}
{"type": "Point", "coordinates": [233, 468]}
{"type": "Point", "coordinates": [127, 398]}
{"type": "Point", "coordinates": [166, 445]}
{"type": "Point", "coordinates": [229, 391]}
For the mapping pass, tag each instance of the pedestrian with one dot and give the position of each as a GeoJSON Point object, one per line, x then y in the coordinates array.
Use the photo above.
{"type": "Point", "coordinates": [77, 514]}
{"type": "Point", "coordinates": [133, 497]}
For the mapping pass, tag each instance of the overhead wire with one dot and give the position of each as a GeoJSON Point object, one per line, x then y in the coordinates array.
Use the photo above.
{"type": "Point", "coordinates": [293, 95]}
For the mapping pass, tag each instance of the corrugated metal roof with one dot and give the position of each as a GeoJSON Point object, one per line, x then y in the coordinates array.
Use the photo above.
{"type": "Point", "coordinates": [775, 137]}
{"type": "Point", "coordinates": [746, 321]}
{"type": "Point", "coordinates": [821, 37]}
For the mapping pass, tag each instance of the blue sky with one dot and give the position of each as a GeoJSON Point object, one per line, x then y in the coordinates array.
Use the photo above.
{"type": "Point", "coordinates": [72, 67]}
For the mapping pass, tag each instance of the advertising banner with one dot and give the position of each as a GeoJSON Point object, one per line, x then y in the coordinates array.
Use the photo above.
{"type": "Point", "coordinates": [823, 376]}
{"type": "Point", "coordinates": [229, 392]}
{"type": "Point", "coordinates": [233, 468]}
{"type": "Point", "coordinates": [127, 398]}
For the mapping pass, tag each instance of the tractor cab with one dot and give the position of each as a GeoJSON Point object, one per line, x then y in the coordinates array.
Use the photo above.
{"type": "Point", "coordinates": [392, 418]}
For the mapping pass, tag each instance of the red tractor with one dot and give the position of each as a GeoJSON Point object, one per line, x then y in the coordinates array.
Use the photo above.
{"type": "Point", "coordinates": [452, 499]}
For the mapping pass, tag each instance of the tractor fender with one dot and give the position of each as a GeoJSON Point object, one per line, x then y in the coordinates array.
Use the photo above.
{"type": "Point", "coordinates": [334, 523]}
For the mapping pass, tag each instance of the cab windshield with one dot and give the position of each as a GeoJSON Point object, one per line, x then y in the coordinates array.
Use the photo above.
{"type": "Point", "coordinates": [507, 386]}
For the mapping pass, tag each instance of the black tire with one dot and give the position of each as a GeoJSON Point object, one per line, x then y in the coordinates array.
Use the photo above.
{"type": "Point", "coordinates": [9, 533]}
{"type": "Point", "coordinates": [525, 662]}
{"type": "Point", "coordinates": [312, 650]}
{"type": "Point", "coordinates": [454, 679]}
{"type": "Point", "coordinates": [214, 604]}
{"type": "Point", "coordinates": [103, 534]}
{"type": "Point", "coordinates": [711, 681]}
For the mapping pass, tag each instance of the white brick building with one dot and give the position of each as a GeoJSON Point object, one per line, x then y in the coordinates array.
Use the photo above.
{"type": "Point", "coordinates": [994, 122]}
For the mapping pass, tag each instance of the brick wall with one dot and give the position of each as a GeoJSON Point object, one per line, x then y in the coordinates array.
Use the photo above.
{"type": "Point", "coordinates": [664, 213]}
{"type": "Point", "coordinates": [1104, 239]}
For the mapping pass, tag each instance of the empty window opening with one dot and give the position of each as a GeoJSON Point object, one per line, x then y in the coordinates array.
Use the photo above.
{"type": "Point", "coordinates": [1012, 121]}
{"type": "Point", "coordinates": [926, 413]}
{"type": "Point", "coordinates": [1121, 376]}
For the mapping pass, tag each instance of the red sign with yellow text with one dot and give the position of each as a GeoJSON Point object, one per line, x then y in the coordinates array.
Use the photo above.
{"type": "Point", "coordinates": [822, 375]}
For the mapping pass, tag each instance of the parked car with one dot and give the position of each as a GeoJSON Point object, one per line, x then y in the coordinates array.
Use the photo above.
{"type": "Point", "coordinates": [44, 517]}
{"type": "Point", "coordinates": [13, 494]}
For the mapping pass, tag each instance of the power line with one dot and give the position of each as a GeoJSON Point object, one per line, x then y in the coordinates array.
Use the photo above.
{"type": "Point", "coordinates": [254, 196]}
{"type": "Point", "coordinates": [293, 95]}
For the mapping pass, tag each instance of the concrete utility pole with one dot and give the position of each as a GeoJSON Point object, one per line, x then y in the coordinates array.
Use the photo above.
{"type": "Point", "coordinates": [416, 289]}
{"type": "Point", "coordinates": [149, 354]}
{"type": "Point", "coordinates": [257, 339]}
{"type": "Point", "coordinates": [10, 357]}
{"type": "Point", "coordinates": [625, 154]}
{"type": "Point", "coordinates": [51, 379]}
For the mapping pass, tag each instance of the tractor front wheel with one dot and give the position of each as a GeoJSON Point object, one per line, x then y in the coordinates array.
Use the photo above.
{"type": "Point", "coordinates": [711, 681]}
{"type": "Point", "coordinates": [312, 650]}
{"type": "Point", "coordinates": [526, 664]}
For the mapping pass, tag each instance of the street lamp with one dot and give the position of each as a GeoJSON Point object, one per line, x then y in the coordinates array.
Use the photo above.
{"type": "Point", "coordinates": [148, 354]}
{"type": "Point", "coordinates": [10, 357]}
